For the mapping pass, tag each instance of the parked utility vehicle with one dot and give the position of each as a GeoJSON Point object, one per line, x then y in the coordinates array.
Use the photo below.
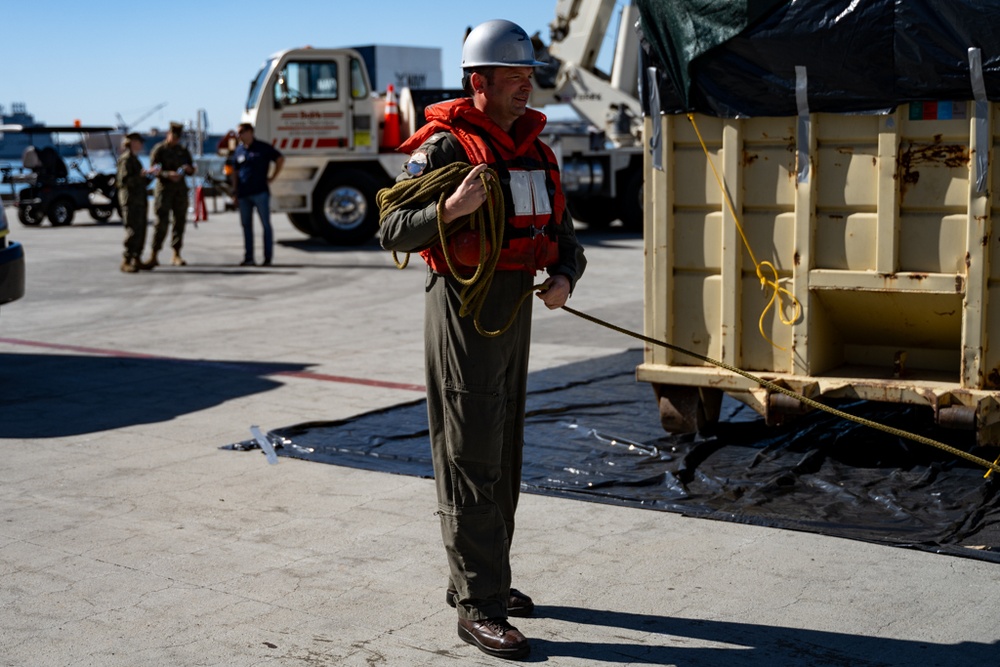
{"type": "Point", "coordinates": [49, 186]}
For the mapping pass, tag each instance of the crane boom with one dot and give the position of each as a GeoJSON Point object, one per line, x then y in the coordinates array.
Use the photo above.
{"type": "Point", "coordinates": [605, 101]}
{"type": "Point", "coordinates": [126, 126]}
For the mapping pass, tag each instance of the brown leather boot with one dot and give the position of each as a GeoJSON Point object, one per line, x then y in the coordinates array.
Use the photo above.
{"type": "Point", "coordinates": [178, 260]}
{"type": "Point", "coordinates": [494, 636]}
{"type": "Point", "coordinates": [128, 266]}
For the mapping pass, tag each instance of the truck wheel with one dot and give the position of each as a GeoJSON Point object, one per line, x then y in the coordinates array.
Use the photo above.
{"type": "Point", "coordinates": [344, 210]}
{"type": "Point", "coordinates": [61, 212]}
{"type": "Point", "coordinates": [688, 409]}
{"type": "Point", "coordinates": [30, 216]}
{"type": "Point", "coordinates": [631, 202]}
{"type": "Point", "coordinates": [302, 222]}
{"type": "Point", "coordinates": [102, 212]}
{"type": "Point", "coordinates": [595, 212]}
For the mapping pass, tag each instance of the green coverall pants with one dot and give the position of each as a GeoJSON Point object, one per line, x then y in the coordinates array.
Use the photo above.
{"type": "Point", "coordinates": [476, 389]}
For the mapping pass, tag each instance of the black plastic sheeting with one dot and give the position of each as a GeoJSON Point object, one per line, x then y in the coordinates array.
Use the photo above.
{"type": "Point", "coordinates": [593, 434]}
{"type": "Point", "coordinates": [733, 58]}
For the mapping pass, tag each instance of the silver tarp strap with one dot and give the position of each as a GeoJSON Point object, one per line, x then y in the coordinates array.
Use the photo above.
{"type": "Point", "coordinates": [656, 140]}
{"type": "Point", "coordinates": [982, 111]}
{"type": "Point", "coordinates": [802, 102]}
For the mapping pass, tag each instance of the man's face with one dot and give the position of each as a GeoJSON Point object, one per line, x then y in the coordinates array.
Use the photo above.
{"type": "Point", "coordinates": [245, 136]}
{"type": "Point", "coordinates": [506, 94]}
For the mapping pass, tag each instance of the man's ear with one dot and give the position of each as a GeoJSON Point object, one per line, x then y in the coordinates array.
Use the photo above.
{"type": "Point", "coordinates": [478, 82]}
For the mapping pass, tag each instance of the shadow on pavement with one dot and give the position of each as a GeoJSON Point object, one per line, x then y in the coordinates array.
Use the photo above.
{"type": "Point", "coordinates": [52, 395]}
{"type": "Point", "coordinates": [744, 644]}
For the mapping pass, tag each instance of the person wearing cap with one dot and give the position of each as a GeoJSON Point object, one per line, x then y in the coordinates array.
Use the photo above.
{"type": "Point", "coordinates": [133, 180]}
{"type": "Point", "coordinates": [171, 162]}
{"type": "Point", "coordinates": [252, 160]}
{"type": "Point", "coordinates": [477, 385]}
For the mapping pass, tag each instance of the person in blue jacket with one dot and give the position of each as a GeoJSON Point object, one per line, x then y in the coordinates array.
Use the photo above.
{"type": "Point", "coordinates": [252, 160]}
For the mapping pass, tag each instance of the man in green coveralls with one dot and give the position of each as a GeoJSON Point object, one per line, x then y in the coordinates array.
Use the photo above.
{"type": "Point", "coordinates": [132, 183]}
{"type": "Point", "coordinates": [477, 385]}
{"type": "Point", "coordinates": [171, 162]}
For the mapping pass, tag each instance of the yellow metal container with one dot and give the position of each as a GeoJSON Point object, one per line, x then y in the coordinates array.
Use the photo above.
{"type": "Point", "coordinates": [883, 237]}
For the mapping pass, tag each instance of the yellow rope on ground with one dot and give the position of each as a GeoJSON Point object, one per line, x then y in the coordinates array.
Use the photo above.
{"type": "Point", "coordinates": [488, 220]}
{"type": "Point", "coordinates": [773, 282]}
{"type": "Point", "coordinates": [995, 466]}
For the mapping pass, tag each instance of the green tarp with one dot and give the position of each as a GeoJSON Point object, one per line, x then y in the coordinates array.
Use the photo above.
{"type": "Point", "coordinates": [745, 57]}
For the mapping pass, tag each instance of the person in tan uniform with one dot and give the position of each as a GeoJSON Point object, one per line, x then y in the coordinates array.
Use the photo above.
{"type": "Point", "coordinates": [171, 162]}
{"type": "Point", "coordinates": [133, 180]}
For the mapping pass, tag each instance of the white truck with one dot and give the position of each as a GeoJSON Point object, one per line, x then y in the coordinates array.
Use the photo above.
{"type": "Point", "coordinates": [325, 110]}
{"type": "Point", "coordinates": [320, 109]}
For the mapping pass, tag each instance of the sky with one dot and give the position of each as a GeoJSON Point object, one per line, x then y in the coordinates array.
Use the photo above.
{"type": "Point", "coordinates": [69, 60]}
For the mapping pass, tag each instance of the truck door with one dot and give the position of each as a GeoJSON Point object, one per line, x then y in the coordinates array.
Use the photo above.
{"type": "Point", "coordinates": [311, 96]}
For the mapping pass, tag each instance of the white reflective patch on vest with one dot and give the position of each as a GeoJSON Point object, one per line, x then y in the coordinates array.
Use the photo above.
{"type": "Point", "coordinates": [530, 194]}
{"type": "Point", "coordinates": [541, 193]}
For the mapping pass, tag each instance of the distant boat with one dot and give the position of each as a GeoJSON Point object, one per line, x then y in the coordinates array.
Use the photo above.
{"type": "Point", "coordinates": [12, 145]}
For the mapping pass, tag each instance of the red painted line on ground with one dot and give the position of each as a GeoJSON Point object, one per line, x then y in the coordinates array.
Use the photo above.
{"type": "Point", "coordinates": [80, 348]}
{"type": "Point", "coordinates": [309, 375]}
{"type": "Point", "coordinates": [340, 378]}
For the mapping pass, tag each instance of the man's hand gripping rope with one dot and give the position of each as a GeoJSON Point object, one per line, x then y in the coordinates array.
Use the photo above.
{"type": "Point", "coordinates": [470, 197]}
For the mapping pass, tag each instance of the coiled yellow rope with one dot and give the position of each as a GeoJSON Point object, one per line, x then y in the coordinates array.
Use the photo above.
{"type": "Point", "coordinates": [488, 220]}
{"type": "Point", "coordinates": [778, 293]}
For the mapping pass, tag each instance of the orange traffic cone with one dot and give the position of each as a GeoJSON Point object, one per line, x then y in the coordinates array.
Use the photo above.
{"type": "Point", "coordinates": [390, 129]}
{"type": "Point", "coordinates": [200, 210]}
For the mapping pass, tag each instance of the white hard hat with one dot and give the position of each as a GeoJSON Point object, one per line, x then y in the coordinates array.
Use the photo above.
{"type": "Point", "coordinates": [498, 43]}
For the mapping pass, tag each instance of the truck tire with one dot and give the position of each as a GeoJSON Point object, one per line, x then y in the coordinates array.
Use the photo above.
{"type": "Point", "coordinates": [102, 212]}
{"type": "Point", "coordinates": [29, 215]}
{"type": "Point", "coordinates": [631, 202]}
{"type": "Point", "coordinates": [344, 210]}
{"type": "Point", "coordinates": [302, 222]}
{"type": "Point", "coordinates": [61, 212]}
{"type": "Point", "coordinates": [596, 212]}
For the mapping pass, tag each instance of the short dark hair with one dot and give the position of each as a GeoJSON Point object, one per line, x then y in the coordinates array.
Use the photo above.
{"type": "Point", "coordinates": [486, 71]}
{"type": "Point", "coordinates": [244, 126]}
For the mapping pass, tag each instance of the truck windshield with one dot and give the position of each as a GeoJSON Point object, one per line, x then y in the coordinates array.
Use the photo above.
{"type": "Point", "coordinates": [257, 85]}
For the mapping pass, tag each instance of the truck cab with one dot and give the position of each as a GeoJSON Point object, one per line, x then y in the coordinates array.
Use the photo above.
{"type": "Point", "coordinates": [319, 108]}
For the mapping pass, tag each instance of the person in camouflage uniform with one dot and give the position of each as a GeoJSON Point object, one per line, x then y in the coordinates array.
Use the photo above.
{"type": "Point", "coordinates": [132, 183]}
{"type": "Point", "coordinates": [171, 162]}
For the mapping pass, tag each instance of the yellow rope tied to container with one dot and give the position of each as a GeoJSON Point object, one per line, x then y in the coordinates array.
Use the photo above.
{"type": "Point", "coordinates": [778, 293]}
{"type": "Point", "coordinates": [990, 467]}
{"type": "Point", "coordinates": [488, 220]}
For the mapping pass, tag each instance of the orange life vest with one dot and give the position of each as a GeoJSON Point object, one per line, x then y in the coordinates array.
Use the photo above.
{"type": "Point", "coordinates": [529, 177]}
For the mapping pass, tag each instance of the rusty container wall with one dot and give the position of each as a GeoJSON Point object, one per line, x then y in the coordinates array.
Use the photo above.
{"type": "Point", "coordinates": [885, 241]}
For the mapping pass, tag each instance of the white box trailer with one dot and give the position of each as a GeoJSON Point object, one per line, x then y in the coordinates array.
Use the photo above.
{"type": "Point", "coordinates": [415, 67]}
{"type": "Point", "coordinates": [884, 238]}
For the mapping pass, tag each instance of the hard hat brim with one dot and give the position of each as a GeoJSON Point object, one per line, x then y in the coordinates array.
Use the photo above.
{"type": "Point", "coordinates": [529, 63]}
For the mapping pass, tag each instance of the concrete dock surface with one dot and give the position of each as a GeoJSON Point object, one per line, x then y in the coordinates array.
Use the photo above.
{"type": "Point", "coordinates": [129, 535]}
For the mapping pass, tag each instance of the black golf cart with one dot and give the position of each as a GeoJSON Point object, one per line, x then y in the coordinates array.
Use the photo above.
{"type": "Point", "coordinates": [51, 188]}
